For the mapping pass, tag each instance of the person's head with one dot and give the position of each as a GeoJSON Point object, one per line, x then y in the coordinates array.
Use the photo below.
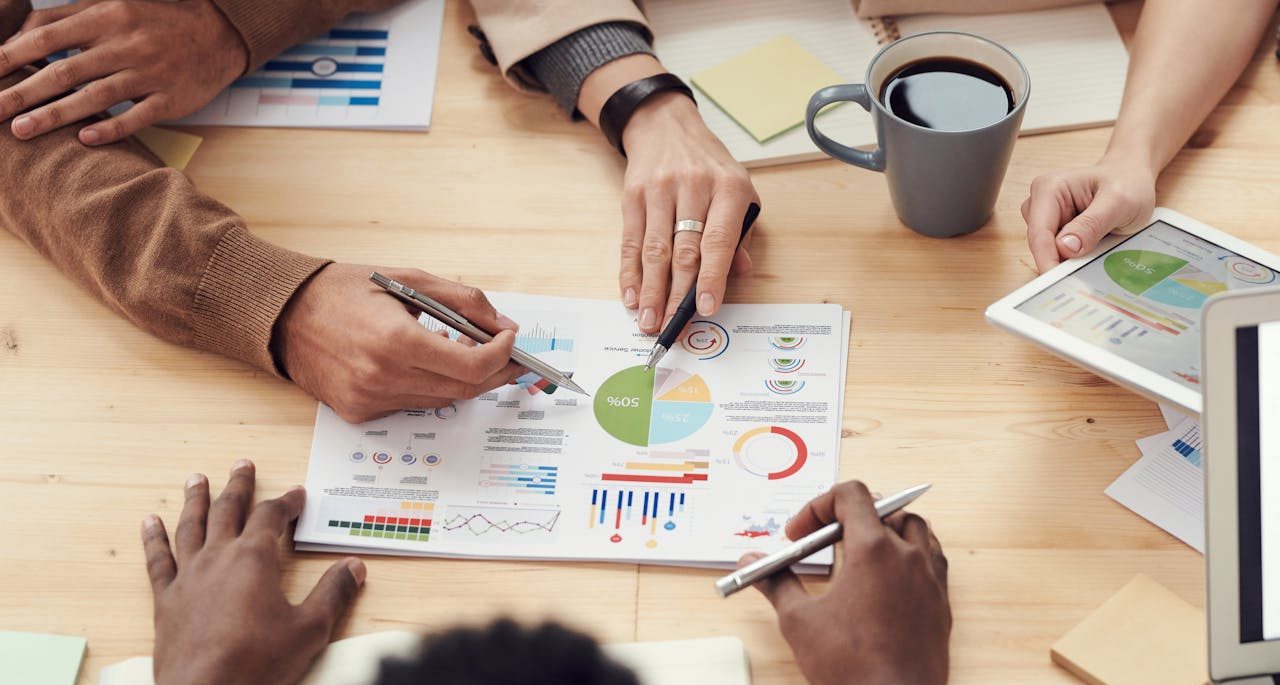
{"type": "Point", "coordinates": [505, 653]}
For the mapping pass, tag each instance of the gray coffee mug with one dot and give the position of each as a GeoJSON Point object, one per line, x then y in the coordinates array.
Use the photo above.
{"type": "Point", "coordinates": [943, 183]}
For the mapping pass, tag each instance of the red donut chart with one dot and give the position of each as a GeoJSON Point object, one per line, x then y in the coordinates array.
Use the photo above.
{"type": "Point", "coordinates": [742, 456]}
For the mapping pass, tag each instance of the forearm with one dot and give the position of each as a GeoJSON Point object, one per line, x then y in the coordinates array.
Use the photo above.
{"type": "Point", "coordinates": [1185, 57]}
{"type": "Point", "coordinates": [270, 26]}
{"type": "Point", "coordinates": [139, 237]}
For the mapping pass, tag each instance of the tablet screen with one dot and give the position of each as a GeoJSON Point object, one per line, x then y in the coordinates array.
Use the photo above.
{"type": "Point", "coordinates": [1258, 466]}
{"type": "Point", "coordinates": [1142, 299]}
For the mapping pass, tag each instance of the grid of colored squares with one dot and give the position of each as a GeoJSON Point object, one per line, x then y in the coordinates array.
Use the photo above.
{"type": "Point", "coordinates": [415, 527]}
{"type": "Point", "coordinates": [537, 478]}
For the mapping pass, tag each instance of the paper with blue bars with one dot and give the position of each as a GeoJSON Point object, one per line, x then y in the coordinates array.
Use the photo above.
{"type": "Point", "coordinates": [374, 71]}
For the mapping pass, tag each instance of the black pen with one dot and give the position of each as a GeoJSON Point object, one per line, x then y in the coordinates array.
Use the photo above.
{"type": "Point", "coordinates": [687, 309]}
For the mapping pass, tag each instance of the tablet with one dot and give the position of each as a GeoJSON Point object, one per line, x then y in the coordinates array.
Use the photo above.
{"type": "Point", "coordinates": [1130, 311]}
{"type": "Point", "coordinates": [1241, 424]}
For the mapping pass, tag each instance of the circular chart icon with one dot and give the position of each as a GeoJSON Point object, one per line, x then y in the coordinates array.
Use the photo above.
{"type": "Point", "coordinates": [784, 386]}
{"type": "Point", "coordinates": [431, 460]}
{"type": "Point", "coordinates": [324, 67]}
{"type": "Point", "coordinates": [357, 457]}
{"type": "Point", "coordinates": [408, 459]}
{"type": "Point", "coordinates": [1249, 272]}
{"type": "Point", "coordinates": [787, 342]}
{"type": "Point", "coordinates": [381, 458]}
{"type": "Point", "coordinates": [705, 339]}
{"type": "Point", "coordinates": [645, 407]}
{"type": "Point", "coordinates": [771, 452]}
{"type": "Point", "coordinates": [446, 412]}
{"type": "Point", "coordinates": [786, 365]}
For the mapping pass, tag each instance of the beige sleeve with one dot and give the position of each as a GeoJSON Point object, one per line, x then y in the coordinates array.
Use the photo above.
{"type": "Point", "coordinates": [881, 8]}
{"type": "Point", "coordinates": [139, 237]}
{"type": "Point", "coordinates": [516, 29]}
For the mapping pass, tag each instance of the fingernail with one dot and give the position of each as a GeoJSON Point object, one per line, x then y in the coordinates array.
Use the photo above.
{"type": "Point", "coordinates": [358, 570]}
{"type": "Point", "coordinates": [629, 298]}
{"type": "Point", "coordinates": [1072, 243]}
{"type": "Point", "coordinates": [90, 136]}
{"type": "Point", "coordinates": [23, 126]}
{"type": "Point", "coordinates": [194, 480]}
{"type": "Point", "coordinates": [706, 304]}
{"type": "Point", "coordinates": [648, 319]}
{"type": "Point", "coordinates": [506, 322]}
{"type": "Point", "coordinates": [241, 465]}
{"type": "Point", "coordinates": [150, 522]}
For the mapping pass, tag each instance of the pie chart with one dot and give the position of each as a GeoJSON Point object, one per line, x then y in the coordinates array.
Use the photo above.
{"type": "Point", "coordinates": [771, 452]}
{"type": "Point", "coordinates": [650, 407]}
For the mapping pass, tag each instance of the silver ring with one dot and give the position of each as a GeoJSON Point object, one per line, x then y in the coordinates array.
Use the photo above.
{"type": "Point", "coordinates": [690, 225]}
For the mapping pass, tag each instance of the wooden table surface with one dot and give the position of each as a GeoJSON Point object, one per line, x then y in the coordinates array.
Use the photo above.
{"type": "Point", "coordinates": [101, 424]}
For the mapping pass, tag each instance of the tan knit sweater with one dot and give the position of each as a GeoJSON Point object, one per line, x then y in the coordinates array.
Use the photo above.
{"type": "Point", "coordinates": [138, 235]}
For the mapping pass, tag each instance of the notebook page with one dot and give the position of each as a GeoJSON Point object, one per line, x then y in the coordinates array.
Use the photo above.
{"type": "Point", "coordinates": [694, 35]}
{"type": "Point", "coordinates": [1074, 54]}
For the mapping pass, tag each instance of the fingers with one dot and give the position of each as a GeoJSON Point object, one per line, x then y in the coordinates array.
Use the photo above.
{"type": "Point", "coordinates": [189, 537]}
{"type": "Point", "coordinates": [48, 16]}
{"type": "Point", "coordinates": [141, 115]}
{"type": "Point", "coordinates": [630, 271]}
{"type": "Point", "coordinates": [1044, 211]}
{"type": "Point", "coordinates": [470, 302]}
{"type": "Point", "coordinates": [36, 44]}
{"type": "Point", "coordinates": [333, 596]}
{"type": "Point", "coordinates": [228, 513]}
{"type": "Point", "coordinates": [475, 366]}
{"type": "Point", "coordinates": [720, 242]}
{"type": "Point", "coordinates": [655, 255]}
{"type": "Point", "coordinates": [1107, 212]}
{"type": "Point", "coordinates": [155, 547]}
{"type": "Point", "coordinates": [783, 589]}
{"type": "Point", "coordinates": [271, 517]}
{"type": "Point", "coordinates": [850, 503]}
{"type": "Point", "coordinates": [686, 250]}
{"type": "Point", "coordinates": [97, 96]}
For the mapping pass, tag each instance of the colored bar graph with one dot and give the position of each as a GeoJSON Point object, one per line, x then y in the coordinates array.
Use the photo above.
{"type": "Point", "coordinates": [339, 67]}
{"type": "Point", "coordinates": [306, 83]}
{"type": "Point", "coordinates": [412, 523]}
{"type": "Point", "coordinates": [313, 50]}
{"type": "Point", "coordinates": [534, 477]}
{"type": "Point", "coordinates": [358, 34]}
{"type": "Point", "coordinates": [664, 468]}
{"type": "Point", "coordinates": [314, 101]}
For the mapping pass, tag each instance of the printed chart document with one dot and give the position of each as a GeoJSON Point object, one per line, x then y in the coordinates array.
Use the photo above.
{"type": "Point", "coordinates": [371, 71]}
{"type": "Point", "coordinates": [1166, 486]}
{"type": "Point", "coordinates": [693, 463]}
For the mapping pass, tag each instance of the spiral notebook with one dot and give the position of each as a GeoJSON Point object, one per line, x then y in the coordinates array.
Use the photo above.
{"type": "Point", "coordinates": [1074, 54]}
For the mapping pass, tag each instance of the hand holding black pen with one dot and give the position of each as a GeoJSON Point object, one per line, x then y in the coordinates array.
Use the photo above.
{"type": "Point", "coordinates": [685, 312]}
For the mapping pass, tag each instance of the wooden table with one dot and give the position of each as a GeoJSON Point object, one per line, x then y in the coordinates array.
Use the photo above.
{"type": "Point", "coordinates": [100, 423]}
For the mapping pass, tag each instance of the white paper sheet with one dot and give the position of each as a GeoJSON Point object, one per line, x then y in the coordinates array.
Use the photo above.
{"type": "Point", "coordinates": [738, 428]}
{"type": "Point", "coordinates": [1166, 486]}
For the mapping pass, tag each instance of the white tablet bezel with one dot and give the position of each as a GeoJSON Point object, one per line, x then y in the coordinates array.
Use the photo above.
{"type": "Point", "coordinates": [1228, 656]}
{"type": "Point", "coordinates": [1119, 370]}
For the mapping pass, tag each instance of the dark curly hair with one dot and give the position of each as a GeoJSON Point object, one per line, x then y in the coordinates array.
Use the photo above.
{"type": "Point", "coordinates": [505, 653]}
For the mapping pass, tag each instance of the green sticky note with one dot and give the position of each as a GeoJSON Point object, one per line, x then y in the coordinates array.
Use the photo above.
{"type": "Point", "coordinates": [765, 89]}
{"type": "Point", "coordinates": [35, 659]}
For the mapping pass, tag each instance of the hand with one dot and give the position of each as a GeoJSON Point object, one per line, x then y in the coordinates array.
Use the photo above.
{"type": "Point", "coordinates": [1082, 206]}
{"type": "Point", "coordinates": [171, 58]}
{"type": "Point", "coordinates": [885, 617]}
{"type": "Point", "coordinates": [677, 169]}
{"type": "Point", "coordinates": [221, 616]}
{"type": "Point", "coordinates": [360, 351]}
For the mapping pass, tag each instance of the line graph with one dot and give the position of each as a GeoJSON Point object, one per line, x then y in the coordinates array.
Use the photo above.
{"type": "Point", "coordinates": [501, 521]}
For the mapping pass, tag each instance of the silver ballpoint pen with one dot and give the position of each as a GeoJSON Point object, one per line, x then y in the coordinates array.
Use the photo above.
{"type": "Point", "coordinates": [450, 318]}
{"type": "Point", "coordinates": [820, 539]}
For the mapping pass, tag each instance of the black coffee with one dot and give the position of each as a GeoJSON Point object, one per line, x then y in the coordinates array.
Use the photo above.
{"type": "Point", "coordinates": [947, 94]}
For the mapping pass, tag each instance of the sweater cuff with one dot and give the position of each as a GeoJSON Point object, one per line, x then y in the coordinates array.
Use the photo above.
{"type": "Point", "coordinates": [265, 27]}
{"type": "Point", "coordinates": [245, 286]}
{"type": "Point", "coordinates": [562, 66]}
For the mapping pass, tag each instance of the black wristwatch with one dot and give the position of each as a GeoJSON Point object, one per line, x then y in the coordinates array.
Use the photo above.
{"type": "Point", "coordinates": [622, 104]}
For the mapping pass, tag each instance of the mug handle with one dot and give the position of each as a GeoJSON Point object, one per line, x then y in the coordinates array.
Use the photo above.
{"type": "Point", "coordinates": [848, 92]}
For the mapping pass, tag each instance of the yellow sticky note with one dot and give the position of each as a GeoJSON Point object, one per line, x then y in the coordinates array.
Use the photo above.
{"type": "Point", "coordinates": [766, 88]}
{"type": "Point", "coordinates": [174, 148]}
